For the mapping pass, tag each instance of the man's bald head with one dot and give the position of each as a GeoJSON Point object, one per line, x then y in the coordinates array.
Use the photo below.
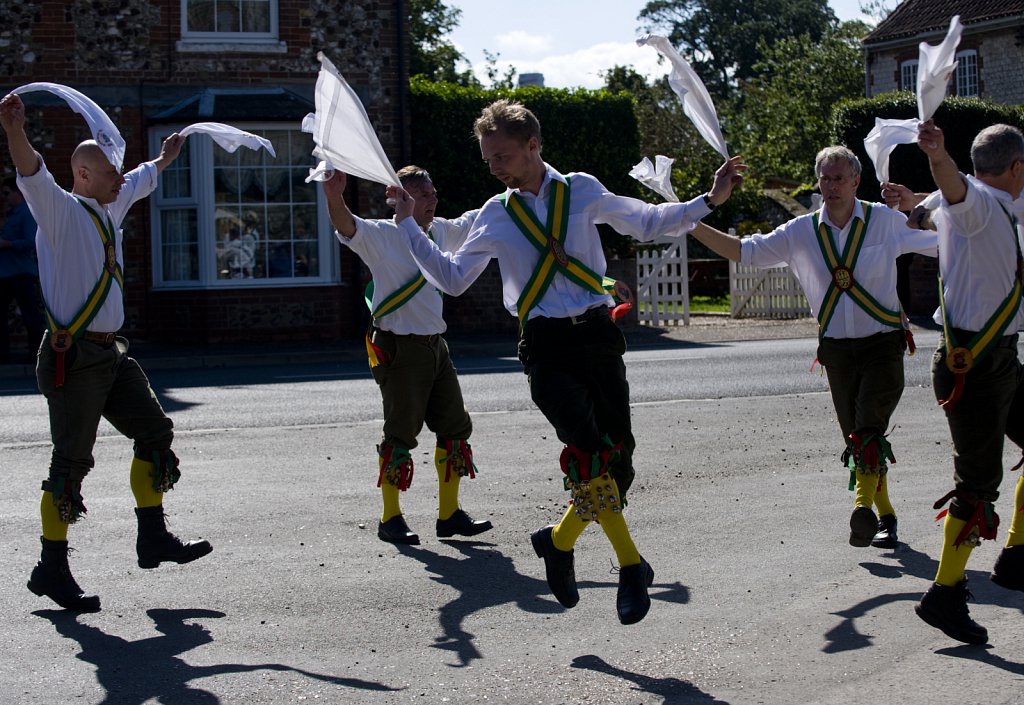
{"type": "Point", "coordinates": [88, 154]}
{"type": "Point", "coordinates": [95, 177]}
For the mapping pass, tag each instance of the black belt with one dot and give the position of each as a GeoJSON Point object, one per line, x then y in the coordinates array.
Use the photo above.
{"type": "Point", "coordinates": [99, 338]}
{"type": "Point", "coordinates": [408, 336]}
{"type": "Point", "coordinates": [963, 337]}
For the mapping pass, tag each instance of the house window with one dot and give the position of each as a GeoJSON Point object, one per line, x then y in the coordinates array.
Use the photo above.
{"type": "Point", "coordinates": [229, 20]}
{"type": "Point", "coordinates": [908, 75]}
{"type": "Point", "coordinates": [967, 73]}
{"type": "Point", "coordinates": [240, 219]}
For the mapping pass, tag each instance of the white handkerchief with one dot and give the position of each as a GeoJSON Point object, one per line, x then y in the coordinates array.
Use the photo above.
{"type": "Point", "coordinates": [657, 176]}
{"type": "Point", "coordinates": [342, 132]}
{"type": "Point", "coordinates": [935, 65]}
{"type": "Point", "coordinates": [228, 137]}
{"type": "Point", "coordinates": [884, 137]}
{"type": "Point", "coordinates": [691, 91]}
{"type": "Point", "coordinates": [100, 125]}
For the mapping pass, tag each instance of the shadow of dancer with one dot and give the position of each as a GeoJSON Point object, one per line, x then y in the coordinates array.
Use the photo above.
{"type": "Point", "coordinates": [150, 669]}
{"type": "Point", "coordinates": [497, 583]}
{"type": "Point", "coordinates": [675, 691]}
{"type": "Point", "coordinates": [982, 654]}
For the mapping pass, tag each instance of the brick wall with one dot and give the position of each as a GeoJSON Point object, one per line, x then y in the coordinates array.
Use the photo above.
{"type": "Point", "coordinates": [130, 59]}
{"type": "Point", "coordinates": [1000, 54]}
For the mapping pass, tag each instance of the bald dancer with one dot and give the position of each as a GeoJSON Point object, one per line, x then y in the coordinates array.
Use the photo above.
{"type": "Point", "coordinates": [83, 369]}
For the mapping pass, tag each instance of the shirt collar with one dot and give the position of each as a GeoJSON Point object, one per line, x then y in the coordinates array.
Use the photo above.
{"type": "Point", "coordinates": [858, 212]}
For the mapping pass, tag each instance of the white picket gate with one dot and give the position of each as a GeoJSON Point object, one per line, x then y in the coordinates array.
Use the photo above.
{"type": "Point", "coordinates": [765, 293]}
{"type": "Point", "coordinates": [663, 284]}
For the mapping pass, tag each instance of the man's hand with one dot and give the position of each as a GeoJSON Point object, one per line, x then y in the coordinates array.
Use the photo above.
{"type": "Point", "coordinates": [334, 187]}
{"type": "Point", "coordinates": [169, 151]}
{"type": "Point", "coordinates": [12, 113]}
{"type": "Point", "coordinates": [727, 177]}
{"type": "Point", "coordinates": [404, 203]}
{"type": "Point", "coordinates": [899, 197]}
{"type": "Point", "coordinates": [931, 140]}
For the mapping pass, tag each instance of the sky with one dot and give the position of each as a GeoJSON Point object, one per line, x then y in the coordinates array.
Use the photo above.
{"type": "Point", "coordinates": [570, 41]}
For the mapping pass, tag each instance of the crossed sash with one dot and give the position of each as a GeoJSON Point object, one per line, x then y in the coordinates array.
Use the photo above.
{"type": "Point", "coordinates": [62, 337]}
{"type": "Point", "coordinates": [843, 281]}
{"type": "Point", "coordinates": [960, 359]}
{"type": "Point", "coordinates": [550, 243]}
{"type": "Point", "coordinates": [391, 303]}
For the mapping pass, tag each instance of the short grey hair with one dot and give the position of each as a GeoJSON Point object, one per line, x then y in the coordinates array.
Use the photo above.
{"type": "Point", "coordinates": [836, 153]}
{"type": "Point", "coordinates": [996, 148]}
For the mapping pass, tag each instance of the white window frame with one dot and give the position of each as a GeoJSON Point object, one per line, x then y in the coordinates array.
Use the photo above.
{"type": "Point", "coordinates": [908, 67]}
{"type": "Point", "coordinates": [203, 200]}
{"type": "Point", "coordinates": [967, 73]}
{"type": "Point", "coordinates": [195, 41]}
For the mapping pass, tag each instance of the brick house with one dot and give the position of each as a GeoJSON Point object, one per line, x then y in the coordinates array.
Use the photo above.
{"type": "Point", "coordinates": [157, 65]}
{"type": "Point", "coordinates": [989, 56]}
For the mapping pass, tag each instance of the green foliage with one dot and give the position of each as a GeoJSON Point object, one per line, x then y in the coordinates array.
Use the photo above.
{"type": "Point", "coordinates": [786, 116]}
{"type": "Point", "coordinates": [960, 118]}
{"type": "Point", "coordinates": [590, 131]}
{"type": "Point", "coordinates": [433, 55]}
{"type": "Point", "coordinates": [723, 39]}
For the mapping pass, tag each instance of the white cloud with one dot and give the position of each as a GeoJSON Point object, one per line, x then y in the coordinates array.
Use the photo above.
{"type": "Point", "coordinates": [583, 68]}
{"type": "Point", "coordinates": [523, 43]}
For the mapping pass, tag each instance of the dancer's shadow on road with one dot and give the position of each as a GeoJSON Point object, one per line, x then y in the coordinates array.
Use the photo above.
{"type": "Point", "coordinates": [151, 669]}
{"type": "Point", "coordinates": [845, 635]}
{"type": "Point", "coordinates": [675, 691]}
{"type": "Point", "coordinates": [982, 654]}
{"type": "Point", "coordinates": [485, 578]}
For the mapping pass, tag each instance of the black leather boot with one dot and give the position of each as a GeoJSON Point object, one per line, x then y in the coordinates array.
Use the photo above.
{"type": "Point", "coordinates": [52, 578]}
{"type": "Point", "coordinates": [156, 545]}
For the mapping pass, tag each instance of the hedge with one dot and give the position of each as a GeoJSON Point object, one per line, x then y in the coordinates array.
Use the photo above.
{"type": "Point", "coordinates": [959, 118]}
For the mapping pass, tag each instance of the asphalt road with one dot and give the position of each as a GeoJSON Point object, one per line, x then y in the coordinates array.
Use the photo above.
{"type": "Point", "coordinates": [740, 506]}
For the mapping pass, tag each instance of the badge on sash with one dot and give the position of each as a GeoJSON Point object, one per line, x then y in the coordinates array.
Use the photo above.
{"type": "Point", "coordinates": [558, 251]}
{"type": "Point", "coordinates": [959, 361]}
{"type": "Point", "coordinates": [61, 340]}
{"type": "Point", "coordinates": [843, 278]}
{"type": "Point", "coordinates": [111, 258]}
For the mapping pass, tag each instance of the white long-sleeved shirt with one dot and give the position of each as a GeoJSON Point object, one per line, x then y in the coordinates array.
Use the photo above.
{"type": "Point", "coordinates": [977, 256]}
{"type": "Point", "coordinates": [383, 246]}
{"type": "Point", "coordinates": [796, 244]}
{"type": "Point", "coordinates": [495, 235]}
{"type": "Point", "coordinates": [68, 246]}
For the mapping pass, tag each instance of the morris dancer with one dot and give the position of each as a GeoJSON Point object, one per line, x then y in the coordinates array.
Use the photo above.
{"type": "Point", "coordinates": [83, 370]}
{"type": "Point", "coordinates": [543, 232]}
{"type": "Point", "coordinates": [844, 256]}
{"type": "Point", "coordinates": [976, 372]}
{"type": "Point", "coordinates": [409, 357]}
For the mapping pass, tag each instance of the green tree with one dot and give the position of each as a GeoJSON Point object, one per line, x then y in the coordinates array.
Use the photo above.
{"type": "Point", "coordinates": [723, 39]}
{"type": "Point", "coordinates": [787, 112]}
{"type": "Point", "coordinates": [433, 55]}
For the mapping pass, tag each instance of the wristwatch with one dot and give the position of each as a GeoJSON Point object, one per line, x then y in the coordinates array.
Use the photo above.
{"type": "Point", "coordinates": [708, 203]}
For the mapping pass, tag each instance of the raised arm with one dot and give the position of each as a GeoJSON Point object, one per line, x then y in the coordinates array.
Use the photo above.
{"type": "Point", "coordinates": [944, 170]}
{"type": "Point", "coordinates": [337, 209]}
{"type": "Point", "coordinates": [12, 119]}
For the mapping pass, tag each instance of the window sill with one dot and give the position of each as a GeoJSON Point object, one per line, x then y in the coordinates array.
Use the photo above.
{"type": "Point", "coordinates": [229, 47]}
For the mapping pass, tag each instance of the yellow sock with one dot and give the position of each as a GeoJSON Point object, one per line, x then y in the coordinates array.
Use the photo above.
{"type": "Point", "coordinates": [447, 491]}
{"type": "Point", "coordinates": [565, 533]}
{"type": "Point", "coordinates": [389, 493]}
{"type": "Point", "coordinates": [1015, 537]}
{"type": "Point", "coordinates": [53, 528]}
{"type": "Point", "coordinates": [867, 485]}
{"type": "Point", "coordinates": [142, 484]}
{"type": "Point", "coordinates": [614, 526]}
{"type": "Point", "coordinates": [882, 497]}
{"type": "Point", "coordinates": [953, 560]}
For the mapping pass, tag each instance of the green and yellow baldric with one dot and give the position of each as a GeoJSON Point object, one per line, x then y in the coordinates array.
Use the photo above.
{"type": "Point", "coordinates": [62, 336]}
{"type": "Point", "coordinates": [960, 359]}
{"type": "Point", "coordinates": [550, 242]}
{"type": "Point", "coordinates": [391, 303]}
{"type": "Point", "coordinates": [843, 281]}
